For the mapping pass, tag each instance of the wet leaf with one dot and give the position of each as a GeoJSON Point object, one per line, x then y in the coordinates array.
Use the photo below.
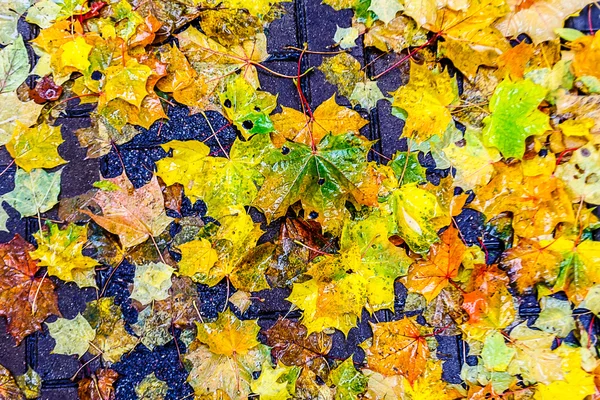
{"type": "Point", "coordinates": [397, 348]}
{"type": "Point", "coordinates": [34, 193]}
{"type": "Point", "coordinates": [26, 300]}
{"type": "Point", "coordinates": [99, 387]}
{"type": "Point", "coordinates": [72, 336]}
{"type": "Point", "coordinates": [224, 356]}
{"type": "Point", "coordinates": [133, 214]}
{"type": "Point", "coordinates": [60, 251]}
{"type": "Point", "coordinates": [151, 388]}
{"type": "Point", "coordinates": [151, 282]}
{"type": "Point", "coordinates": [515, 116]}
{"type": "Point", "coordinates": [112, 340]}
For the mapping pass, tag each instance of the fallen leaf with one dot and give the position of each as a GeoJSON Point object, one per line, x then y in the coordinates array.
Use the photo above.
{"type": "Point", "coordinates": [25, 300]}
{"type": "Point", "coordinates": [72, 336]}
{"type": "Point", "coordinates": [398, 347]}
{"type": "Point", "coordinates": [133, 214]}
{"type": "Point", "coordinates": [60, 251]}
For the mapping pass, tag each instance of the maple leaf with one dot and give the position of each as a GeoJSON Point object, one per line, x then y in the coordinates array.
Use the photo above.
{"type": "Point", "coordinates": [292, 345]}
{"type": "Point", "coordinates": [224, 356]}
{"type": "Point", "coordinates": [98, 387]}
{"type": "Point", "coordinates": [395, 35]}
{"type": "Point", "coordinates": [515, 116]}
{"type": "Point", "coordinates": [424, 102]}
{"type": "Point", "coordinates": [346, 37]}
{"type": "Point", "coordinates": [8, 386]}
{"type": "Point", "coordinates": [34, 193]}
{"type": "Point", "coordinates": [407, 168]}
{"type": "Point", "coordinates": [538, 19]}
{"type": "Point", "coordinates": [538, 203]}
{"type": "Point", "coordinates": [75, 54]}
{"type": "Point", "coordinates": [14, 66]}
{"type": "Point", "coordinates": [343, 71]}
{"type": "Point", "coordinates": [529, 263]}
{"type": "Point", "coordinates": [323, 179]}
{"type": "Point", "coordinates": [429, 277]}
{"type": "Point", "coordinates": [60, 251]}
{"type": "Point", "coordinates": [197, 256]}
{"type": "Point", "coordinates": [133, 214]}
{"type": "Point", "coordinates": [72, 336]}
{"type": "Point", "coordinates": [112, 340]}
{"type": "Point", "coordinates": [397, 347]}
{"type": "Point", "coordinates": [180, 305]}
{"type": "Point", "coordinates": [577, 273]}
{"type": "Point", "coordinates": [472, 160]}
{"type": "Point", "coordinates": [333, 298]}
{"type": "Point", "coordinates": [490, 305]}
{"type": "Point", "coordinates": [275, 383]}
{"type": "Point", "coordinates": [152, 327]}
{"type": "Point", "coordinates": [30, 383]}
{"type": "Point", "coordinates": [25, 300]}
{"type": "Point", "coordinates": [327, 118]}
{"type": "Point", "coordinates": [470, 39]}
{"type": "Point", "coordinates": [100, 137]}
{"type": "Point", "coordinates": [366, 250]}
{"type": "Point", "coordinates": [127, 82]}
{"type": "Point", "coordinates": [215, 64]}
{"type": "Point", "coordinates": [237, 258]}
{"type": "Point", "coordinates": [151, 282]}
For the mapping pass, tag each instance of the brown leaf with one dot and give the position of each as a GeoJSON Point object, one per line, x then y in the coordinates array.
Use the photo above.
{"type": "Point", "coordinates": [25, 300]}
{"type": "Point", "coordinates": [45, 90]}
{"type": "Point", "coordinates": [99, 386]}
{"type": "Point", "coordinates": [182, 304]}
{"type": "Point", "coordinates": [292, 346]}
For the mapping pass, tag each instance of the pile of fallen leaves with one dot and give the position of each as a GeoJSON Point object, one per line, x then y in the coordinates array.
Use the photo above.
{"type": "Point", "coordinates": [513, 127]}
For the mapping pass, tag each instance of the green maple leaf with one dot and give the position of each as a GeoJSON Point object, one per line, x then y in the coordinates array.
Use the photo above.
{"type": "Point", "coordinates": [34, 193]}
{"type": "Point", "coordinates": [515, 117]}
{"type": "Point", "coordinates": [322, 179]}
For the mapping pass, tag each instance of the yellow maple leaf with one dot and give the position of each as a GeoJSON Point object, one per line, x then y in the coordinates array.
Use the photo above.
{"type": "Point", "coordinates": [60, 251]}
{"type": "Point", "coordinates": [329, 117]}
{"type": "Point", "coordinates": [425, 100]}
{"type": "Point", "coordinates": [197, 258]}
{"type": "Point", "coordinates": [224, 356]}
{"type": "Point", "coordinates": [35, 147]}
{"type": "Point", "coordinates": [127, 82]}
{"type": "Point", "coordinates": [75, 54]}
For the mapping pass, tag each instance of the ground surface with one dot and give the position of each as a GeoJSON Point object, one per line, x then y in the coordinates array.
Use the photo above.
{"type": "Point", "coordinates": [307, 21]}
